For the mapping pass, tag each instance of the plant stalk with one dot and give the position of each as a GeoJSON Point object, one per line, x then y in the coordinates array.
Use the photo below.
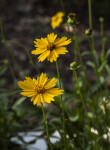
{"type": "Point", "coordinates": [62, 106]}
{"type": "Point", "coordinates": [46, 124]}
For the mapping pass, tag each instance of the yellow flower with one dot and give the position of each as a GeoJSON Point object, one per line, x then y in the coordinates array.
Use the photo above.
{"type": "Point", "coordinates": [50, 47]}
{"type": "Point", "coordinates": [57, 19]}
{"type": "Point", "coordinates": [41, 89]}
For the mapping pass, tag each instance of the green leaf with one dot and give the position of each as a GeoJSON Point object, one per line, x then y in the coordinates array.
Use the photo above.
{"type": "Point", "coordinates": [9, 92]}
{"type": "Point", "coordinates": [107, 69]}
{"type": "Point", "coordinates": [18, 102]}
{"type": "Point", "coordinates": [96, 57]}
{"type": "Point", "coordinates": [102, 66]}
{"type": "Point", "coordinates": [86, 53]}
{"type": "Point", "coordinates": [108, 53]}
{"type": "Point", "coordinates": [91, 64]}
{"type": "Point", "coordinates": [74, 119]}
{"type": "Point", "coordinates": [93, 136]}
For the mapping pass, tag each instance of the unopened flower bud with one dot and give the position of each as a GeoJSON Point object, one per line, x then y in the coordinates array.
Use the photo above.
{"type": "Point", "coordinates": [88, 32]}
{"type": "Point", "coordinates": [5, 61]}
{"type": "Point", "coordinates": [73, 65]}
{"type": "Point", "coordinates": [101, 19]}
{"type": "Point", "coordinates": [72, 19]}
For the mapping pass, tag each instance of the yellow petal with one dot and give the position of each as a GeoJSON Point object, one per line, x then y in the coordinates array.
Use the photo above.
{"type": "Point", "coordinates": [62, 42]}
{"type": "Point", "coordinates": [47, 98]}
{"type": "Point", "coordinates": [51, 37]}
{"type": "Point", "coordinates": [61, 50]}
{"type": "Point", "coordinates": [38, 51]}
{"type": "Point", "coordinates": [37, 100]}
{"type": "Point", "coordinates": [52, 57]}
{"type": "Point", "coordinates": [43, 56]}
{"type": "Point", "coordinates": [28, 94]}
{"type": "Point", "coordinates": [32, 99]}
{"type": "Point", "coordinates": [42, 98]}
{"type": "Point", "coordinates": [54, 91]}
{"type": "Point", "coordinates": [43, 79]}
{"type": "Point", "coordinates": [51, 83]}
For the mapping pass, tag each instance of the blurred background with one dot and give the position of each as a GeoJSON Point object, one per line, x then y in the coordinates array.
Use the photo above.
{"type": "Point", "coordinates": [21, 22]}
{"type": "Point", "coordinates": [25, 20]}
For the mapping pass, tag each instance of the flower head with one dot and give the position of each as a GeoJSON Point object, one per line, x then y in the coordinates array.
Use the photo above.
{"type": "Point", "coordinates": [72, 19]}
{"type": "Point", "coordinates": [57, 19]}
{"type": "Point", "coordinates": [50, 47]}
{"type": "Point", "coordinates": [41, 89]}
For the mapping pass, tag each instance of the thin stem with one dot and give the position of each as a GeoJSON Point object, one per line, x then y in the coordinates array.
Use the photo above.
{"type": "Point", "coordinates": [103, 49]}
{"type": "Point", "coordinates": [62, 5]}
{"type": "Point", "coordinates": [82, 65]}
{"type": "Point", "coordinates": [101, 29]}
{"type": "Point", "coordinates": [84, 106]}
{"type": "Point", "coordinates": [75, 52]}
{"type": "Point", "coordinates": [29, 56]}
{"type": "Point", "coordinates": [90, 14]}
{"type": "Point", "coordinates": [46, 124]}
{"type": "Point", "coordinates": [12, 73]}
{"type": "Point", "coordinates": [62, 106]}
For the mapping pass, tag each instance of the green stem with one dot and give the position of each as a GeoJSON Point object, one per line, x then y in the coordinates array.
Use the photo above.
{"type": "Point", "coordinates": [8, 49]}
{"type": "Point", "coordinates": [75, 52]}
{"type": "Point", "coordinates": [62, 5]}
{"type": "Point", "coordinates": [29, 56]}
{"type": "Point", "coordinates": [101, 30]}
{"type": "Point", "coordinates": [62, 106]}
{"type": "Point", "coordinates": [103, 49]}
{"type": "Point", "coordinates": [90, 14]}
{"type": "Point", "coordinates": [46, 124]}
{"type": "Point", "coordinates": [82, 65]}
{"type": "Point", "coordinates": [12, 73]}
{"type": "Point", "coordinates": [84, 106]}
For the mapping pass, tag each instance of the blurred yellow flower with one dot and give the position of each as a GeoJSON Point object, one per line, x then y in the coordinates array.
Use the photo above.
{"type": "Point", "coordinates": [50, 47]}
{"type": "Point", "coordinates": [57, 19]}
{"type": "Point", "coordinates": [41, 89]}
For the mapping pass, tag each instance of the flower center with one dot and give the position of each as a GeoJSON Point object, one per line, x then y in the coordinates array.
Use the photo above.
{"type": "Point", "coordinates": [50, 46]}
{"type": "Point", "coordinates": [39, 89]}
{"type": "Point", "coordinates": [56, 18]}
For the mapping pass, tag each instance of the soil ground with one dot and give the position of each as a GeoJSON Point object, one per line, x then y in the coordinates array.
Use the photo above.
{"type": "Point", "coordinates": [23, 21]}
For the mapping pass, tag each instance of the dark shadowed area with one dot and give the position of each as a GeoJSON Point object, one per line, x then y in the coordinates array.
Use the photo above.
{"type": "Point", "coordinates": [25, 20]}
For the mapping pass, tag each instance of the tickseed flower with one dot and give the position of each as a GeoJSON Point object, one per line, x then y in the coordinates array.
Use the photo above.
{"type": "Point", "coordinates": [40, 90]}
{"type": "Point", "coordinates": [57, 19]}
{"type": "Point", "coordinates": [50, 47]}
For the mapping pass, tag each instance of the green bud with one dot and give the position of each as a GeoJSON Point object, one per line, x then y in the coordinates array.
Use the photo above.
{"type": "Point", "coordinates": [88, 32]}
{"type": "Point", "coordinates": [73, 66]}
{"type": "Point", "coordinates": [72, 19]}
{"type": "Point", "coordinates": [101, 19]}
{"type": "Point", "coordinates": [5, 61]}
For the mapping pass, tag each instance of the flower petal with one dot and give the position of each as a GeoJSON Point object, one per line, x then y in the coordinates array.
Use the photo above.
{"type": "Point", "coordinates": [37, 100]}
{"type": "Point", "coordinates": [62, 42]}
{"type": "Point", "coordinates": [51, 37]}
{"type": "Point", "coordinates": [43, 56]}
{"type": "Point", "coordinates": [51, 83]}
